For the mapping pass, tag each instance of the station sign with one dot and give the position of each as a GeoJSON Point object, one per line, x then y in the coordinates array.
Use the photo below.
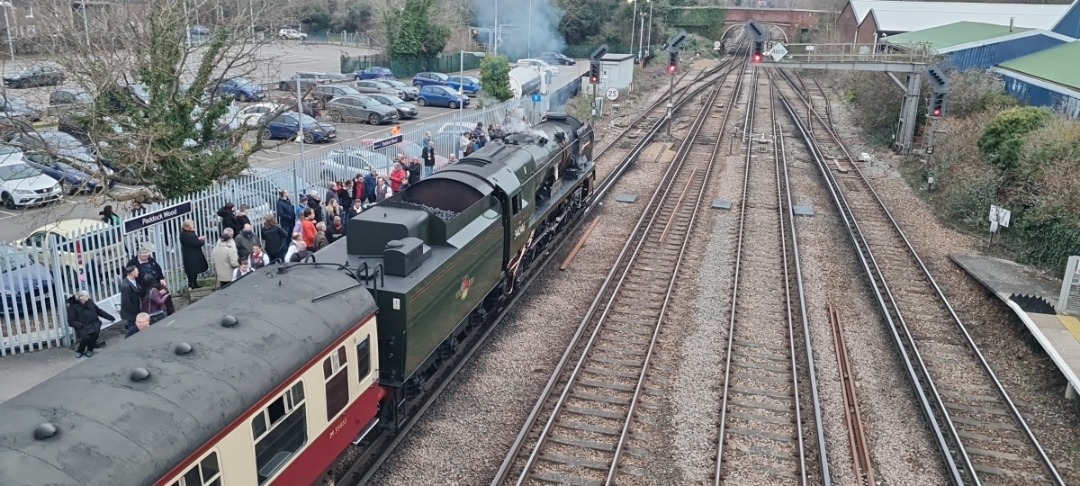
{"type": "Point", "coordinates": [157, 217]}
{"type": "Point", "coordinates": [386, 142]}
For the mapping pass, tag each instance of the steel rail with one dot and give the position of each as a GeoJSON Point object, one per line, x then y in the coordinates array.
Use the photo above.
{"type": "Point", "coordinates": [861, 463]}
{"type": "Point", "coordinates": [507, 464]}
{"type": "Point", "coordinates": [351, 473]}
{"type": "Point", "coordinates": [940, 294]}
{"type": "Point", "coordinates": [640, 229]}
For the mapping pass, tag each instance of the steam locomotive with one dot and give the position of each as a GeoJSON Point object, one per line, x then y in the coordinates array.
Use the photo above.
{"type": "Point", "coordinates": [269, 380]}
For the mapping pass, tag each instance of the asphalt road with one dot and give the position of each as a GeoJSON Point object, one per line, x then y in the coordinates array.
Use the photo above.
{"type": "Point", "coordinates": [17, 224]}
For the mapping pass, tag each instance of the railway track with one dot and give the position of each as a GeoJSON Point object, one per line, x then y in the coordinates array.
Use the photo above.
{"type": "Point", "coordinates": [586, 427]}
{"type": "Point", "coordinates": [364, 465]}
{"type": "Point", "coordinates": [761, 434]}
{"type": "Point", "coordinates": [982, 436]}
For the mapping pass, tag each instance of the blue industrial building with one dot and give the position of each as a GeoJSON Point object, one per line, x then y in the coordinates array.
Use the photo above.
{"type": "Point", "coordinates": [973, 45]}
{"type": "Point", "coordinates": [1069, 25]}
{"type": "Point", "coordinates": [1049, 78]}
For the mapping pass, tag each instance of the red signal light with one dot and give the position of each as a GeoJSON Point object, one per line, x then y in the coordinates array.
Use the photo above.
{"type": "Point", "coordinates": [671, 69]}
{"type": "Point", "coordinates": [757, 57]}
{"type": "Point", "coordinates": [593, 80]}
{"type": "Point", "coordinates": [937, 111]}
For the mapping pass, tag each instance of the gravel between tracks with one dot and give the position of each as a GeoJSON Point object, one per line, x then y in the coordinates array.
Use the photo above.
{"type": "Point", "coordinates": [464, 435]}
{"type": "Point", "coordinates": [1028, 374]}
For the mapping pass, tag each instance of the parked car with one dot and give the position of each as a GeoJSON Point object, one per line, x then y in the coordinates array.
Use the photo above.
{"type": "Point", "coordinates": [539, 64]}
{"type": "Point", "coordinates": [368, 86]}
{"type": "Point", "coordinates": [406, 148]}
{"type": "Point", "coordinates": [405, 110]}
{"type": "Point", "coordinates": [22, 184]}
{"type": "Point", "coordinates": [307, 79]}
{"type": "Point", "coordinates": [429, 79]}
{"type": "Point", "coordinates": [556, 58]}
{"type": "Point", "coordinates": [408, 93]}
{"type": "Point", "coordinates": [24, 283]}
{"type": "Point", "coordinates": [250, 116]}
{"type": "Point", "coordinates": [65, 99]}
{"type": "Point", "coordinates": [200, 30]}
{"type": "Point", "coordinates": [64, 158]}
{"type": "Point", "coordinates": [327, 93]}
{"type": "Point", "coordinates": [287, 125]}
{"type": "Point", "coordinates": [354, 109]}
{"type": "Point", "coordinates": [345, 163]}
{"type": "Point", "coordinates": [241, 89]}
{"type": "Point", "coordinates": [19, 108]}
{"type": "Point", "coordinates": [456, 127]}
{"type": "Point", "coordinates": [374, 72]}
{"type": "Point", "coordinates": [9, 127]}
{"type": "Point", "coordinates": [291, 34]}
{"type": "Point", "coordinates": [468, 84]}
{"type": "Point", "coordinates": [83, 244]}
{"type": "Point", "coordinates": [441, 96]}
{"type": "Point", "coordinates": [35, 76]}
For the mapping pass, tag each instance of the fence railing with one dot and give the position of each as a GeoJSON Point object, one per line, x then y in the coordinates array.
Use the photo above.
{"type": "Point", "coordinates": [343, 38]}
{"type": "Point", "coordinates": [404, 68]}
{"type": "Point", "coordinates": [39, 274]}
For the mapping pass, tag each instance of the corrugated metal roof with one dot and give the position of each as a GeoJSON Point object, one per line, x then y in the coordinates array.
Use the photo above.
{"type": "Point", "coordinates": [945, 36]}
{"type": "Point", "coordinates": [1070, 22]}
{"type": "Point", "coordinates": [899, 16]}
{"type": "Point", "coordinates": [1057, 65]}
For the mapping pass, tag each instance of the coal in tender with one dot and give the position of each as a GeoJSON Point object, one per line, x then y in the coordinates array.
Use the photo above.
{"type": "Point", "coordinates": [443, 214]}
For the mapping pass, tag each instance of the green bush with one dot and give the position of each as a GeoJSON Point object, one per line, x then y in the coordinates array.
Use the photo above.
{"type": "Point", "coordinates": [1050, 233]}
{"type": "Point", "coordinates": [876, 105]}
{"type": "Point", "coordinates": [1003, 137]}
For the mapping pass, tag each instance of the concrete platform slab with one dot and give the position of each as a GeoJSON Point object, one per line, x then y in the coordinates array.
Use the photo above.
{"type": "Point", "coordinates": [1032, 296]}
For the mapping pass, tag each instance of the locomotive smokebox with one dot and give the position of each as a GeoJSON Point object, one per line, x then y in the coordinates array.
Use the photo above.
{"type": "Point", "coordinates": [403, 256]}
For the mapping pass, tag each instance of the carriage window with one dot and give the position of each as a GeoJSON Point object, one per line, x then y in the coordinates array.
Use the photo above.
{"type": "Point", "coordinates": [205, 473]}
{"type": "Point", "coordinates": [516, 204]}
{"type": "Point", "coordinates": [337, 383]}
{"type": "Point", "coordinates": [283, 432]}
{"type": "Point", "coordinates": [363, 357]}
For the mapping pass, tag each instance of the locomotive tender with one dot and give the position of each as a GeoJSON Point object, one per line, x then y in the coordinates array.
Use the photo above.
{"type": "Point", "coordinates": [269, 380]}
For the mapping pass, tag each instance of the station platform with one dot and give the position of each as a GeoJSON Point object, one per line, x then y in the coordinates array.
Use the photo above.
{"type": "Point", "coordinates": [1033, 297]}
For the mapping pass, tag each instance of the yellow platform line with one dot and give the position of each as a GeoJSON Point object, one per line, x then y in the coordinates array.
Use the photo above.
{"type": "Point", "coordinates": [1072, 324]}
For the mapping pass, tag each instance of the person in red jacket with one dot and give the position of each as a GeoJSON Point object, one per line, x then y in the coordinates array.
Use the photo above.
{"type": "Point", "coordinates": [307, 229]}
{"type": "Point", "coordinates": [397, 177]}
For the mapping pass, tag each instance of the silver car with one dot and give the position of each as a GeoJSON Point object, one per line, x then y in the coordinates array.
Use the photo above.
{"type": "Point", "coordinates": [352, 109]}
{"type": "Point", "coordinates": [408, 93]}
{"type": "Point", "coordinates": [346, 163]}
{"type": "Point", "coordinates": [369, 86]}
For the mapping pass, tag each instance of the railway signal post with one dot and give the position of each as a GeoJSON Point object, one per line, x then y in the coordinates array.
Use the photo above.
{"type": "Point", "coordinates": [594, 76]}
{"type": "Point", "coordinates": [674, 45]}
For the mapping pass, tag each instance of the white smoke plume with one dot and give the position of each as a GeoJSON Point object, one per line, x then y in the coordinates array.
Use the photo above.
{"type": "Point", "coordinates": [517, 39]}
{"type": "Point", "coordinates": [514, 122]}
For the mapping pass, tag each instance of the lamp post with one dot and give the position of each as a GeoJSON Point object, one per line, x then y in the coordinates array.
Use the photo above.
{"type": "Point", "coordinates": [633, 19]}
{"type": "Point", "coordinates": [461, 79]}
{"type": "Point", "coordinates": [85, 25]}
{"type": "Point", "coordinates": [649, 42]}
{"type": "Point", "coordinates": [495, 41]}
{"type": "Point", "coordinates": [528, 42]}
{"type": "Point", "coordinates": [641, 36]}
{"type": "Point", "coordinates": [7, 27]}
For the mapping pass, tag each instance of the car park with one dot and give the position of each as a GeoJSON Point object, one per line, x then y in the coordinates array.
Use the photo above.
{"type": "Point", "coordinates": [307, 79]}
{"type": "Point", "coordinates": [441, 96]}
{"type": "Point", "coordinates": [556, 58]}
{"type": "Point", "coordinates": [468, 84]}
{"type": "Point", "coordinates": [241, 89]}
{"type": "Point", "coordinates": [288, 125]}
{"type": "Point", "coordinates": [82, 244]}
{"type": "Point", "coordinates": [369, 86]}
{"type": "Point", "coordinates": [327, 93]}
{"type": "Point", "coordinates": [10, 127]}
{"type": "Point", "coordinates": [429, 79]}
{"type": "Point", "coordinates": [352, 109]}
{"type": "Point", "coordinates": [405, 109]}
{"type": "Point", "coordinates": [409, 93]}
{"type": "Point", "coordinates": [19, 108]}
{"type": "Point", "coordinates": [22, 184]}
{"type": "Point", "coordinates": [24, 283]}
{"type": "Point", "coordinates": [374, 72]}
{"type": "Point", "coordinates": [250, 116]}
{"type": "Point", "coordinates": [292, 34]}
{"type": "Point", "coordinates": [407, 148]}
{"type": "Point", "coordinates": [35, 76]}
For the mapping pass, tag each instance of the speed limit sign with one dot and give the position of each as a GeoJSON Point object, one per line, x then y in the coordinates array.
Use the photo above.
{"type": "Point", "coordinates": [612, 94]}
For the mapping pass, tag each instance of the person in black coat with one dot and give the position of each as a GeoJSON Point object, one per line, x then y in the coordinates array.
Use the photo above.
{"type": "Point", "coordinates": [85, 317]}
{"type": "Point", "coordinates": [130, 298]}
{"type": "Point", "coordinates": [286, 212]}
{"type": "Point", "coordinates": [227, 213]}
{"type": "Point", "coordinates": [275, 239]}
{"type": "Point", "coordinates": [191, 248]}
{"type": "Point", "coordinates": [429, 158]}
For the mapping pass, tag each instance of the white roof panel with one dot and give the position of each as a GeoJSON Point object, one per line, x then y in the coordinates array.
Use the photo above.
{"type": "Point", "coordinates": [901, 16]}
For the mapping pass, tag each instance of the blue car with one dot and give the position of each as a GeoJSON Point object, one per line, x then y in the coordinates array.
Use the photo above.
{"type": "Point", "coordinates": [64, 158]}
{"type": "Point", "coordinates": [373, 72]}
{"type": "Point", "coordinates": [286, 125]}
{"type": "Point", "coordinates": [241, 89]}
{"type": "Point", "coordinates": [429, 79]}
{"type": "Point", "coordinates": [468, 84]}
{"type": "Point", "coordinates": [23, 281]}
{"type": "Point", "coordinates": [441, 96]}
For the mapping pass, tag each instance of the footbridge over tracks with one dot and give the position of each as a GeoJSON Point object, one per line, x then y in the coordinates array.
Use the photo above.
{"type": "Point", "coordinates": [712, 21]}
{"type": "Point", "coordinates": [905, 68]}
